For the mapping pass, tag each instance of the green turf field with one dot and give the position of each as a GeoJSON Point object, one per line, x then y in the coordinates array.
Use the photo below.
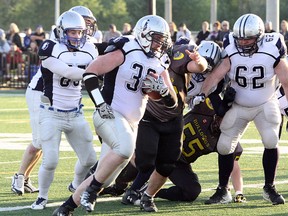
{"type": "Point", "coordinates": [15, 136]}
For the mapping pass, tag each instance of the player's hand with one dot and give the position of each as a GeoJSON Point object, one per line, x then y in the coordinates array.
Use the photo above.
{"type": "Point", "coordinates": [105, 111]}
{"type": "Point", "coordinates": [194, 55]}
{"type": "Point", "coordinates": [198, 99]}
{"type": "Point", "coordinates": [155, 84]}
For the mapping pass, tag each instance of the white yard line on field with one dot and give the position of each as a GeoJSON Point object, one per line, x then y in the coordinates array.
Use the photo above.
{"type": "Point", "coordinates": [19, 141]}
{"type": "Point", "coordinates": [107, 199]}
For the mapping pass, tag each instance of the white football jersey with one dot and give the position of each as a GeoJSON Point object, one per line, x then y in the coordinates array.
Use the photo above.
{"type": "Point", "coordinates": [63, 92]}
{"type": "Point", "coordinates": [253, 77]}
{"type": "Point", "coordinates": [123, 86]}
{"type": "Point", "coordinates": [36, 82]}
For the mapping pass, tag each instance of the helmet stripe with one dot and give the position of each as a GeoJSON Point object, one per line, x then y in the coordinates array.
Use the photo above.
{"type": "Point", "coordinates": [242, 26]}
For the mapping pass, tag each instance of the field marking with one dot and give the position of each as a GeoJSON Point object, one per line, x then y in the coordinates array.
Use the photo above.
{"type": "Point", "coordinates": [107, 199]}
{"type": "Point", "coordinates": [55, 204]}
{"type": "Point", "coordinates": [19, 141]}
{"type": "Point", "coordinates": [16, 141]}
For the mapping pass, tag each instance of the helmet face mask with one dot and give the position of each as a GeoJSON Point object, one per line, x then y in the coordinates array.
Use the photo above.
{"type": "Point", "coordinates": [248, 27]}
{"type": "Point", "coordinates": [153, 31]}
{"type": "Point", "coordinates": [67, 21]}
{"type": "Point", "coordinates": [91, 22]}
{"type": "Point", "coordinates": [90, 25]}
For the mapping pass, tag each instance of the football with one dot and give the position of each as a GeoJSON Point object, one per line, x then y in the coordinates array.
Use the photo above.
{"type": "Point", "coordinates": [154, 95]}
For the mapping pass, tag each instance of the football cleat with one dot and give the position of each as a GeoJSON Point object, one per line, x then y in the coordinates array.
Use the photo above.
{"type": "Point", "coordinates": [239, 198]}
{"type": "Point", "coordinates": [221, 196]}
{"type": "Point", "coordinates": [147, 203]}
{"type": "Point", "coordinates": [17, 185]}
{"type": "Point", "coordinates": [63, 211]}
{"type": "Point", "coordinates": [39, 204]}
{"type": "Point", "coordinates": [130, 197]}
{"type": "Point", "coordinates": [71, 188]}
{"type": "Point", "coordinates": [270, 194]}
{"type": "Point", "coordinates": [88, 198]}
{"type": "Point", "coordinates": [28, 187]}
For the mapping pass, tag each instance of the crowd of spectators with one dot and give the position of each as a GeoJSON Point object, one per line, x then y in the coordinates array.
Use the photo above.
{"type": "Point", "coordinates": [15, 50]}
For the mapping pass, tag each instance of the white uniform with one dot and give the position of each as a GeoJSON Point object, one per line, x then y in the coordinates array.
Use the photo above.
{"type": "Point", "coordinates": [122, 90]}
{"type": "Point", "coordinates": [255, 83]}
{"type": "Point", "coordinates": [60, 110]}
{"type": "Point", "coordinates": [33, 93]}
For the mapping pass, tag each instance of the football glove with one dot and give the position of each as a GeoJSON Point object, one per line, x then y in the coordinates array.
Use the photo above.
{"type": "Point", "coordinates": [152, 84]}
{"type": "Point", "coordinates": [198, 99]}
{"type": "Point", "coordinates": [105, 111]}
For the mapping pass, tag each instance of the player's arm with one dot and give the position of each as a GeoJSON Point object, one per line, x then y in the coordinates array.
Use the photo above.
{"type": "Point", "coordinates": [170, 98]}
{"type": "Point", "coordinates": [61, 68]}
{"type": "Point", "coordinates": [215, 76]}
{"type": "Point", "coordinates": [106, 63]}
{"type": "Point", "coordinates": [56, 65]}
{"type": "Point", "coordinates": [199, 63]}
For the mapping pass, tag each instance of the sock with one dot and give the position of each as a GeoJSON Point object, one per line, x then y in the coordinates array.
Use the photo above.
{"type": "Point", "coordinates": [70, 202]}
{"type": "Point", "coordinates": [238, 192]}
{"type": "Point", "coordinates": [140, 180]}
{"type": "Point", "coordinates": [225, 164]}
{"type": "Point", "coordinates": [96, 183]}
{"type": "Point", "coordinates": [148, 194]}
{"type": "Point", "coordinates": [270, 161]}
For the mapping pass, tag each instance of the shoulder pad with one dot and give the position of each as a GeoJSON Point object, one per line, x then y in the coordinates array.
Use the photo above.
{"type": "Point", "coordinates": [165, 61]}
{"type": "Point", "coordinates": [116, 43]}
{"type": "Point", "coordinates": [45, 49]}
{"type": "Point", "coordinates": [226, 41]}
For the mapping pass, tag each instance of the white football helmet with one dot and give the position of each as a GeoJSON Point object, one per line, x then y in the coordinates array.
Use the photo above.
{"type": "Point", "coordinates": [148, 29]}
{"type": "Point", "coordinates": [248, 26]}
{"type": "Point", "coordinates": [70, 20]}
{"type": "Point", "coordinates": [91, 21]}
{"type": "Point", "coordinates": [211, 51]}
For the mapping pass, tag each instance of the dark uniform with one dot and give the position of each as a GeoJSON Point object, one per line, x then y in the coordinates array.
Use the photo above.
{"type": "Point", "coordinates": [160, 130]}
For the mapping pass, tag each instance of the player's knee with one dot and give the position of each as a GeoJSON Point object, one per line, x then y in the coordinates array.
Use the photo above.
{"type": "Point", "coordinates": [90, 160]}
{"type": "Point", "coordinates": [124, 152]}
{"type": "Point", "coordinates": [145, 167]}
{"type": "Point", "coordinates": [224, 146]}
{"type": "Point", "coordinates": [50, 161]}
{"type": "Point", "coordinates": [32, 150]}
{"type": "Point", "coordinates": [165, 169]}
{"type": "Point", "coordinates": [50, 165]}
{"type": "Point", "coordinates": [191, 191]}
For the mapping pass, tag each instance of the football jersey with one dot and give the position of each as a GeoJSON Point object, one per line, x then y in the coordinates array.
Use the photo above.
{"type": "Point", "coordinates": [122, 87]}
{"type": "Point", "coordinates": [253, 77]}
{"type": "Point", "coordinates": [63, 92]}
{"type": "Point", "coordinates": [36, 82]}
{"type": "Point", "coordinates": [178, 73]}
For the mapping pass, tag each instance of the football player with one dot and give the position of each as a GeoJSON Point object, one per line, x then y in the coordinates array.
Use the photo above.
{"type": "Point", "coordinates": [158, 144]}
{"type": "Point", "coordinates": [253, 61]}
{"type": "Point", "coordinates": [21, 181]}
{"type": "Point", "coordinates": [128, 61]}
{"type": "Point", "coordinates": [63, 63]}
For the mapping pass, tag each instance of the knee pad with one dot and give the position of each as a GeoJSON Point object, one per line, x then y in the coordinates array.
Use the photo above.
{"type": "Point", "coordinates": [165, 169]}
{"type": "Point", "coordinates": [50, 164]}
{"type": "Point", "coordinates": [144, 166]}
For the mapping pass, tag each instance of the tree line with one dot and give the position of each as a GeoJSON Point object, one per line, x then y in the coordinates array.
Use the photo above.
{"type": "Point", "coordinates": [30, 13]}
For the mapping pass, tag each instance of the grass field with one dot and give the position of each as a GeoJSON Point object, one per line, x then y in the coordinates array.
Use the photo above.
{"type": "Point", "coordinates": [15, 136]}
